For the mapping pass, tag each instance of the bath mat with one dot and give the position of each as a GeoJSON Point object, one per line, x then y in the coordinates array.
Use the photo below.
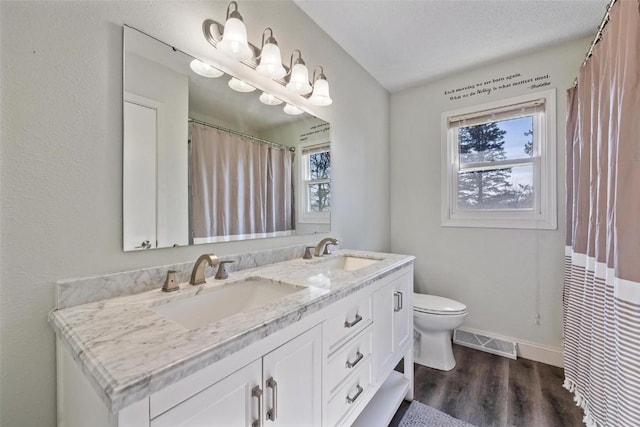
{"type": "Point", "coordinates": [421, 415]}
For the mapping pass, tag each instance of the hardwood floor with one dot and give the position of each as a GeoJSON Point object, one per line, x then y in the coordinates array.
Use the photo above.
{"type": "Point", "coordinates": [492, 391]}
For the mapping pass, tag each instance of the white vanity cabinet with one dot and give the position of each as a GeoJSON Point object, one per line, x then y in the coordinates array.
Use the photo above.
{"type": "Point", "coordinates": [331, 367]}
{"type": "Point", "coordinates": [283, 387]}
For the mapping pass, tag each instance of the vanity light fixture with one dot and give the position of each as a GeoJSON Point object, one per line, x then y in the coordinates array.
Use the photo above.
{"type": "Point", "coordinates": [240, 86]}
{"type": "Point", "coordinates": [205, 70]}
{"type": "Point", "coordinates": [293, 110]}
{"type": "Point", "coordinates": [298, 75]}
{"type": "Point", "coordinates": [234, 42]}
{"type": "Point", "coordinates": [231, 40]}
{"type": "Point", "coordinates": [267, 98]}
{"type": "Point", "coordinates": [320, 95]}
{"type": "Point", "coordinates": [270, 60]}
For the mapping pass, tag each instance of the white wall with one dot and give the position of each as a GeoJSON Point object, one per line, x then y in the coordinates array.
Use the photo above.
{"type": "Point", "coordinates": [495, 272]}
{"type": "Point", "coordinates": [61, 157]}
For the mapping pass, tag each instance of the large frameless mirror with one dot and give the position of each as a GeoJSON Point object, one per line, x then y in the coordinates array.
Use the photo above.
{"type": "Point", "coordinates": [204, 163]}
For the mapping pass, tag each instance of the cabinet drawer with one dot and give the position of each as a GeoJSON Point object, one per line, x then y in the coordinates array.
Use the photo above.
{"type": "Point", "coordinates": [349, 320]}
{"type": "Point", "coordinates": [347, 359]}
{"type": "Point", "coordinates": [350, 393]}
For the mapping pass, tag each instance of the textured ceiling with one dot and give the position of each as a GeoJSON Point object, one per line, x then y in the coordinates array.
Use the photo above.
{"type": "Point", "coordinates": [402, 43]}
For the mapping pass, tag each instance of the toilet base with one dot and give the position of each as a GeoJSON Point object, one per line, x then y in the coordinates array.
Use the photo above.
{"type": "Point", "coordinates": [434, 350]}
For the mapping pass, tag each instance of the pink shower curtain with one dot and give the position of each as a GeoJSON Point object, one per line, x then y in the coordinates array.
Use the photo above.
{"type": "Point", "coordinates": [240, 188]}
{"type": "Point", "coordinates": [602, 283]}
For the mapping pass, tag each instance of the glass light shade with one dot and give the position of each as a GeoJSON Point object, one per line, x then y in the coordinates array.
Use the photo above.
{"type": "Point", "coordinates": [205, 70]}
{"type": "Point", "coordinates": [240, 86]}
{"type": "Point", "coordinates": [267, 98]}
{"type": "Point", "coordinates": [320, 95]}
{"type": "Point", "coordinates": [234, 40]}
{"type": "Point", "coordinates": [290, 109]}
{"type": "Point", "coordinates": [271, 62]}
{"type": "Point", "coordinates": [299, 80]}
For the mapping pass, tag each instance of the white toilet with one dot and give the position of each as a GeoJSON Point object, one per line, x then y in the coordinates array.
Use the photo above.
{"type": "Point", "coordinates": [434, 318]}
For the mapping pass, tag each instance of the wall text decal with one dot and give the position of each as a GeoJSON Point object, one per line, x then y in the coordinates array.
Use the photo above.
{"type": "Point", "coordinates": [316, 132]}
{"type": "Point", "coordinates": [493, 85]}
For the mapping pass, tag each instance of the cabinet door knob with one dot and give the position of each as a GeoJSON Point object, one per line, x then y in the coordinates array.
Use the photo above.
{"type": "Point", "coordinates": [357, 360]}
{"type": "Point", "coordinates": [350, 400]}
{"type": "Point", "coordinates": [272, 413]}
{"type": "Point", "coordinates": [257, 393]}
{"type": "Point", "coordinates": [357, 320]}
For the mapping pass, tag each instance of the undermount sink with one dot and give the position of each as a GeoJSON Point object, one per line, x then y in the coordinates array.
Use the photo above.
{"type": "Point", "coordinates": [224, 301]}
{"type": "Point", "coordinates": [350, 263]}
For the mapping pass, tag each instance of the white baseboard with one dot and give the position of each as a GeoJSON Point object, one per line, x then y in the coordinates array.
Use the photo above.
{"type": "Point", "coordinates": [541, 353]}
{"type": "Point", "coordinates": [529, 350]}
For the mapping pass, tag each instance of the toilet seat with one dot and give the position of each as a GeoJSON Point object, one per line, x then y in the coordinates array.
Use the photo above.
{"type": "Point", "coordinates": [431, 304]}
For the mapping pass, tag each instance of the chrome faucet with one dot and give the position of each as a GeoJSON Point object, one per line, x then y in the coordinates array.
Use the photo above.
{"type": "Point", "coordinates": [322, 249]}
{"type": "Point", "coordinates": [197, 275]}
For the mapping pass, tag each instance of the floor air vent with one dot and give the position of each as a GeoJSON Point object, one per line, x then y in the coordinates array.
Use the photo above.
{"type": "Point", "coordinates": [491, 345]}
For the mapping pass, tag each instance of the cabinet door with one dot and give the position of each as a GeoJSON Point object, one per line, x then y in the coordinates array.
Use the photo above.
{"type": "Point", "coordinates": [392, 323]}
{"type": "Point", "coordinates": [292, 382]}
{"type": "Point", "coordinates": [227, 403]}
{"type": "Point", "coordinates": [403, 311]}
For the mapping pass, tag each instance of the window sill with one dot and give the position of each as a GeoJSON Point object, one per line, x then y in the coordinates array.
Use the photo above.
{"type": "Point", "coordinates": [514, 223]}
{"type": "Point", "coordinates": [326, 220]}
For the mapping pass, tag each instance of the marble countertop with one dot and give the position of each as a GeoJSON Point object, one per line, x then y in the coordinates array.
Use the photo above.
{"type": "Point", "coordinates": [128, 350]}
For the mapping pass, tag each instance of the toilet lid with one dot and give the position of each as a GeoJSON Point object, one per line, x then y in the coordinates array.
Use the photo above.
{"type": "Point", "coordinates": [434, 304]}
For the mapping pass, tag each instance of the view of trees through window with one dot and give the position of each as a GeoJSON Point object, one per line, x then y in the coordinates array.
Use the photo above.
{"type": "Point", "coordinates": [319, 185]}
{"type": "Point", "coordinates": [506, 184]}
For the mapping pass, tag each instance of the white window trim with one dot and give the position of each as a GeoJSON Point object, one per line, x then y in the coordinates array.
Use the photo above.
{"type": "Point", "coordinates": [544, 213]}
{"type": "Point", "coordinates": [304, 216]}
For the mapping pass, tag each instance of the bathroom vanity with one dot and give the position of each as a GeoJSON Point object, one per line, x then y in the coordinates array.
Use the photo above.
{"type": "Point", "coordinates": [297, 342]}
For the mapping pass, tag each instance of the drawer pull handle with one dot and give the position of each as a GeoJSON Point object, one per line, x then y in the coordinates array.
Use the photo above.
{"type": "Point", "coordinates": [272, 413]}
{"type": "Point", "coordinates": [257, 393]}
{"type": "Point", "coordinates": [398, 306]}
{"type": "Point", "coordinates": [357, 320]}
{"type": "Point", "coordinates": [350, 400]}
{"type": "Point", "coordinates": [359, 357]}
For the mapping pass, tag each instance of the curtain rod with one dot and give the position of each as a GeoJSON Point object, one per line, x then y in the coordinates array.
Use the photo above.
{"type": "Point", "coordinates": [263, 141]}
{"type": "Point", "coordinates": [597, 38]}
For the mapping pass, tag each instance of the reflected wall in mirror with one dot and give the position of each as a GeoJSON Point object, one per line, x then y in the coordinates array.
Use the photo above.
{"type": "Point", "coordinates": [203, 163]}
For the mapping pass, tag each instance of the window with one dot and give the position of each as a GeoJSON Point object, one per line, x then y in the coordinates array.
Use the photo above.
{"type": "Point", "coordinates": [315, 174]}
{"type": "Point", "coordinates": [499, 164]}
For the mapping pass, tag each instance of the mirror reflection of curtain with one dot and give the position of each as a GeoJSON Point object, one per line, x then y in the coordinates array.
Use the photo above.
{"type": "Point", "coordinates": [239, 187]}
